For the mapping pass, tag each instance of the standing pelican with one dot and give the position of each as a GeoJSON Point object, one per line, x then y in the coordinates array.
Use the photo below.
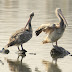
{"type": "Point", "coordinates": [54, 31]}
{"type": "Point", "coordinates": [21, 36]}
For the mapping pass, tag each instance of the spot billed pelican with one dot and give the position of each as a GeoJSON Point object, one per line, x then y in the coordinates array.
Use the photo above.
{"type": "Point", "coordinates": [21, 36]}
{"type": "Point", "coordinates": [54, 31]}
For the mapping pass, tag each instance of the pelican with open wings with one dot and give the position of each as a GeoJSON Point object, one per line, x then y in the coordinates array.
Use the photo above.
{"type": "Point", "coordinates": [54, 31]}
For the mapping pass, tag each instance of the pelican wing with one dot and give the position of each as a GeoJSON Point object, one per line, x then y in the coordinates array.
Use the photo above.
{"type": "Point", "coordinates": [17, 33]}
{"type": "Point", "coordinates": [47, 28]}
{"type": "Point", "coordinates": [17, 37]}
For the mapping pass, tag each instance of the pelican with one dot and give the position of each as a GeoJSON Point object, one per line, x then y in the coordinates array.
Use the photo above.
{"type": "Point", "coordinates": [58, 52]}
{"type": "Point", "coordinates": [21, 36]}
{"type": "Point", "coordinates": [55, 31]}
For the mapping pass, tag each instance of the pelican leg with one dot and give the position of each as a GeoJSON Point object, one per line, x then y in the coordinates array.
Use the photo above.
{"type": "Point", "coordinates": [21, 59]}
{"type": "Point", "coordinates": [23, 49]}
{"type": "Point", "coordinates": [56, 61]}
{"type": "Point", "coordinates": [18, 48]}
{"type": "Point", "coordinates": [56, 43]}
{"type": "Point", "coordinates": [18, 58]}
{"type": "Point", "coordinates": [21, 46]}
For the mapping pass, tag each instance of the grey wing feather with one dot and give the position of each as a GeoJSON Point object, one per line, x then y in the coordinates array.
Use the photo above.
{"type": "Point", "coordinates": [17, 34]}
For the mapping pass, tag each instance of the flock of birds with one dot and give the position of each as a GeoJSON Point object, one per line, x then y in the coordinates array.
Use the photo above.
{"type": "Point", "coordinates": [54, 33]}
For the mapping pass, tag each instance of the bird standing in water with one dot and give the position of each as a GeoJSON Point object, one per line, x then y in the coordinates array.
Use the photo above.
{"type": "Point", "coordinates": [55, 31]}
{"type": "Point", "coordinates": [21, 36]}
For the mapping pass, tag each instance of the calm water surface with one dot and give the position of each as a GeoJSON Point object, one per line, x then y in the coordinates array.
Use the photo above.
{"type": "Point", "coordinates": [14, 15]}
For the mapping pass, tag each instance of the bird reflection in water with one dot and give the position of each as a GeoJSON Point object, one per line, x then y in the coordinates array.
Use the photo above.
{"type": "Point", "coordinates": [58, 52]}
{"type": "Point", "coordinates": [22, 54]}
{"type": "Point", "coordinates": [18, 66]}
{"type": "Point", "coordinates": [1, 62]}
{"type": "Point", "coordinates": [50, 67]}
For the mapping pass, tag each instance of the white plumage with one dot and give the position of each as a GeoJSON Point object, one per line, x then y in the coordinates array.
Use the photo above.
{"type": "Point", "coordinates": [54, 31]}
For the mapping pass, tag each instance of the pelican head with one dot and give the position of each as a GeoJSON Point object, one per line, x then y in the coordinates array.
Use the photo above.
{"type": "Point", "coordinates": [60, 15]}
{"type": "Point", "coordinates": [32, 14]}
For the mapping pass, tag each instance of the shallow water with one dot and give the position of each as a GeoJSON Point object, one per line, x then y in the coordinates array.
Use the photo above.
{"type": "Point", "coordinates": [14, 15]}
